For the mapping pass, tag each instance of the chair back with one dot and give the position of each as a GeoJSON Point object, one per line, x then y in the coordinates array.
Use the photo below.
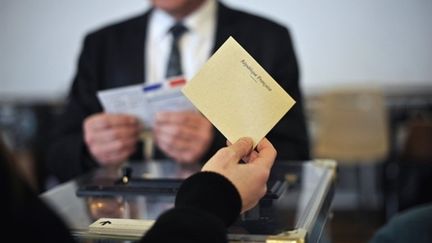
{"type": "Point", "coordinates": [418, 144]}
{"type": "Point", "coordinates": [351, 126]}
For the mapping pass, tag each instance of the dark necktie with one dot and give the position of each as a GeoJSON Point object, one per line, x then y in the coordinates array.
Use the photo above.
{"type": "Point", "coordinates": [174, 67]}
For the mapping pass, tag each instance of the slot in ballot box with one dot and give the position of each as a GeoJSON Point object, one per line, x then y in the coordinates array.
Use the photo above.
{"type": "Point", "coordinates": [296, 207]}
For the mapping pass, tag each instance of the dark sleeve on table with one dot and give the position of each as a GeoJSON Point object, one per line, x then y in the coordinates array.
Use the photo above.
{"type": "Point", "coordinates": [206, 204]}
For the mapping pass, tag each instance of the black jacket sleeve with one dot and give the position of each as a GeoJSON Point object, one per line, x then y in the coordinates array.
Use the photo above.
{"type": "Point", "coordinates": [206, 204]}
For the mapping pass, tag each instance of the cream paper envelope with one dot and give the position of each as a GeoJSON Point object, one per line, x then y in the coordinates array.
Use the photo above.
{"type": "Point", "coordinates": [237, 95]}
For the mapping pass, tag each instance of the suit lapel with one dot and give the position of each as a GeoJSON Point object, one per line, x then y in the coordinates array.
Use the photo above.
{"type": "Point", "coordinates": [135, 52]}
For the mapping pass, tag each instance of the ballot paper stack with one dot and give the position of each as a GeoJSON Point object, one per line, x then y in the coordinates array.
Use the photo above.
{"type": "Point", "coordinates": [133, 228]}
{"type": "Point", "coordinates": [144, 101]}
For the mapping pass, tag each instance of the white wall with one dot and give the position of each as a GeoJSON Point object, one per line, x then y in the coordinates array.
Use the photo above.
{"type": "Point", "coordinates": [382, 42]}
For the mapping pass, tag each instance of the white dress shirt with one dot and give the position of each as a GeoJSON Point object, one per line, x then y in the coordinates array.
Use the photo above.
{"type": "Point", "coordinates": [195, 45]}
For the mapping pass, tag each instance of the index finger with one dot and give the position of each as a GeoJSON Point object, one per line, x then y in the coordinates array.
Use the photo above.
{"type": "Point", "coordinates": [266, 152]}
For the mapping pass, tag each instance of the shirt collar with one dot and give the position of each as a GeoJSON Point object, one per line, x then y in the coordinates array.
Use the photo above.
{"type": "Point", "coordinates": [198, 20]}
{"type": "Point", "coordinates": [195, 22]}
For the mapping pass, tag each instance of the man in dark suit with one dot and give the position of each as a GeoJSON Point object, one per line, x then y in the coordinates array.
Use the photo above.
{"type": "Point", "coordinates": [124, 53]}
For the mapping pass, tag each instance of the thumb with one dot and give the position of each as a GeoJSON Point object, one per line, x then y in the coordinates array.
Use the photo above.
{"type": "Point", "coordinates": [242, 147]}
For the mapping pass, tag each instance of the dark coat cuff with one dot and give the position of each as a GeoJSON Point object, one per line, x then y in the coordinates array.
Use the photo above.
{"type": "Point", "coordinates": [187, 225]}
{"type": "Point", "coordinates": [210, 192]}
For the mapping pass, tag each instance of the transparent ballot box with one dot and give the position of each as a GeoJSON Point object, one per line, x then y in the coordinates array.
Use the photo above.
{"type": "Point", "coordinates": [295, 208]}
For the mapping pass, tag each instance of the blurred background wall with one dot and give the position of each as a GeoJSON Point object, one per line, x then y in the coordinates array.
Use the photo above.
{"type": "Point", "coordinates": [385, 42]}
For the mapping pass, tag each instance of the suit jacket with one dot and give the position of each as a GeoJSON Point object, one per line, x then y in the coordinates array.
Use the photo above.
{"type": "Point", "coordinates": [114, 56]}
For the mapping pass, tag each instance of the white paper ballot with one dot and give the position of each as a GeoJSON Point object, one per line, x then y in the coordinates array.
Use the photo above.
{"type": "Point", "coordinates": [168, 100]}
{"type": "Point", "coordinates": [127, 100]}
{"type": "Point", "coordinates": [145, 101]}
